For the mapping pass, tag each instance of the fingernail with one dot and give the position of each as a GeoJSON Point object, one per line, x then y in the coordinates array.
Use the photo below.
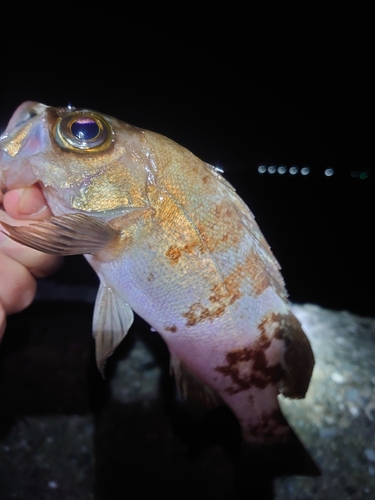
{"type": "Point", "coordinates": [31, 202]}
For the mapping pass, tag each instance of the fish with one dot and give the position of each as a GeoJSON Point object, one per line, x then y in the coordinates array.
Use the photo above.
{"type": "Point", "coordinates": [170, 240]}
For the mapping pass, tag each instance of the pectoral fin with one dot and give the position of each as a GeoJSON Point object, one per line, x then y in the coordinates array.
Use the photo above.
{"type": "Point", "coordinates": [70, 234]}
{"type": "Point", "coordinates": [112, 319]}
{"type": "Point", "coordinates": [199, 396]}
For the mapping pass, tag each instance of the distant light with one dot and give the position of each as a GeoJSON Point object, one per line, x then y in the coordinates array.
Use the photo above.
{"type": "Point", "coordinates": [262, 169]}
{"type": "Point", "coordinates": [271, 169]}
{"type": "Point", "coordinates": [305, 170]}
{"type": "Point", "coordinates": [364, 175]}
{"type": "Point", "coordinates": [293, 170]}
{"type": "Point", "coordinates": [328, 172]}
{"type": "Point", "coordinates": [281, 170]}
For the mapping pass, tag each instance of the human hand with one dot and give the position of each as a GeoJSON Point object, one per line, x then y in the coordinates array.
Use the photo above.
{"type": "Point", "coordinates": [20, 265]}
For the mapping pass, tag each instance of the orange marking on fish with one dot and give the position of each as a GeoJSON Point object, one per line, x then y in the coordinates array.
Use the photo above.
{"type": "Point", "coordinates": [218, 232]}
{"type": "Point", "coordinates": [174, 253]}
{"type": "Point", "coordinates": [253, 269]}
{"type": "Point", "coordinates": [198, 313]}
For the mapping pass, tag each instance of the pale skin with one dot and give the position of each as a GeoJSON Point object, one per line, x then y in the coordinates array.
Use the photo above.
{"type": "Point", "coordinates": [20, 265]}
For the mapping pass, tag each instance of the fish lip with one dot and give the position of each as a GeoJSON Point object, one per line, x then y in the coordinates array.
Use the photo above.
{"type": "Point", "coordinates": [25, 112]}
{"type": "Point", "coordinates": [22, 139]}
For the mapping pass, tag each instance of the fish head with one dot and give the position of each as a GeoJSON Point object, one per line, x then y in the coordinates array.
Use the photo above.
{"type": "Point", "coordinates": [84, 161]}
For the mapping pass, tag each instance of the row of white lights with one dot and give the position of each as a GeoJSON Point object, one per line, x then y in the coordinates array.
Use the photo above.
{"type": "Point", "coordinates": [262, 169]}
{"type": "Point", "coordinates": [328, 172]}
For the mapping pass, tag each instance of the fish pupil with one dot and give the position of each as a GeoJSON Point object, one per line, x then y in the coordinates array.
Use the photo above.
{"type": "Point", "coordinates": [85, 129]}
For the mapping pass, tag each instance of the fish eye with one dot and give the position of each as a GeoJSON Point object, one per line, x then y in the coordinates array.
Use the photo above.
{"type": "Point", "coordinates": [83, 131]}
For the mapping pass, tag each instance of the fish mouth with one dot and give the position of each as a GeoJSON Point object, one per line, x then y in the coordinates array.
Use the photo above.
{"type": "Point", "coordinates": [17, 146]}
{"type": "Point", "coordinates": [23, 114]}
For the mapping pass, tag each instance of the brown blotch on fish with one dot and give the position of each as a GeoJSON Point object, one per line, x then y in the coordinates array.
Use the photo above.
{"type": "Point", "coordinates": [172, 328]}
{"type": "Point", "coordinates": [275, 325]}
{"type": "Point", "coordinates": [259, 374]}
{"type": "Point", "coordinates": [227, 292]}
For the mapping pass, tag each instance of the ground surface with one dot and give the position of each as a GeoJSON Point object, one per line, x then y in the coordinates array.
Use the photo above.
{"type": "Point", "coordinates": [66, 434]}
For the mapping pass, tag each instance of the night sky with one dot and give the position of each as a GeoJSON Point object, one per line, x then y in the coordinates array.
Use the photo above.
{"type": "Point", "coordinates": [300, 100]}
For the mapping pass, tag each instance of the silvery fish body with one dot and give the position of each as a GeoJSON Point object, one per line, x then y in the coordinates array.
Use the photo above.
{"type": "Point", "coordinates": [169, 239]}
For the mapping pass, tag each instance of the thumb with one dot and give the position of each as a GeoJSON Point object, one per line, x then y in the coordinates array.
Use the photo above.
{"type": "Point", "coordinates": [26, 203]}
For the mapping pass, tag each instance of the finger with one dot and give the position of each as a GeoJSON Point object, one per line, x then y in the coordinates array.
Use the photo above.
{"type": "Point", "coordinates": [17, 288]}
{"type": "Point", "coordinates": [26, 203]}
{"type": "Point", "coordinates": [23, 205]}
{"type": "Point", "coordinates": [39, 264]}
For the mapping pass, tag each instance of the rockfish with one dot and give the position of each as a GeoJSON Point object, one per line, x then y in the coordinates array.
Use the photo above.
{"type": "Point", "coordinates": [170, 239]}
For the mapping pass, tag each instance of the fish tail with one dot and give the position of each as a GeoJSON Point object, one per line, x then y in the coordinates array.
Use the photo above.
{"type": "Point", "coordinates": [256, 467]}
{"type": "Point", "coordinates": [286, 458]}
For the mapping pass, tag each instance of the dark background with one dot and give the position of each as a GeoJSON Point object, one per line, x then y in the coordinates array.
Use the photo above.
{"type": "Point", "coordinates": [296, 95]}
